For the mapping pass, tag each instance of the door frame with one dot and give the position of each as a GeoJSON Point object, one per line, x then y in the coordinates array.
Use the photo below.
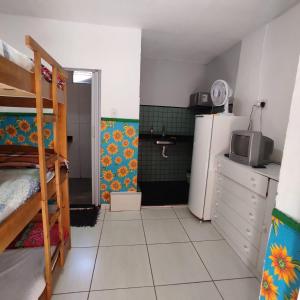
{"type": "Point", "coordinates": [96, 140]}
{"type": "Point", "coordinates": [95, 131]}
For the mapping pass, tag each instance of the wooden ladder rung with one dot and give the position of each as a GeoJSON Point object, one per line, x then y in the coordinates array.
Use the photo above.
{"type": "Point", "coordinates": [49, 118]}
{"type": "Point", "coordinates": [51, 159]}
{"type": "Point", "coordinates": [54, 217]}
{"type": "Point", "coordinates": [39, 217]}
{"type": "Point", "coordinates": [55, 255]}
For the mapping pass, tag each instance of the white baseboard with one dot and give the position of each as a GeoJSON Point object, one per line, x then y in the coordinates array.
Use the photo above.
{"type": "Point", "coordinates": [125, 201]}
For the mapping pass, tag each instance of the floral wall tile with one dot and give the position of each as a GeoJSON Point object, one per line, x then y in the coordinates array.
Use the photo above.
{"type": "Point", "coordinates": [21, 130]}
{"type": "Point", "coordinates": [118, 157]}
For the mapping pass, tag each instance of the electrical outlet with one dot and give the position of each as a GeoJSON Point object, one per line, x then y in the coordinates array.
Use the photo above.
{"type": "Point", "coordinates": [262, 103]}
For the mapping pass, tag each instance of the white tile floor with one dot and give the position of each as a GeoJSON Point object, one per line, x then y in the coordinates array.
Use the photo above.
{"type": "Point", "coordinates": [160, 253]}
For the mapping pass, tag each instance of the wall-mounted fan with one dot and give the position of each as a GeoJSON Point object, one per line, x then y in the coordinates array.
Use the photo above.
{"type": "Point", "coordinates": [220, 93]}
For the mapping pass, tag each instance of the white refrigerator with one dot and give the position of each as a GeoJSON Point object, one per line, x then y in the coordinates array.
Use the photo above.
{"type": "Point", "coordinates": [211, 137]}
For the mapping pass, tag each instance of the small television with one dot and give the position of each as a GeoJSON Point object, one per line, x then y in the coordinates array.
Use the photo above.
{"type": "Point", "coordinates": [250, 148]}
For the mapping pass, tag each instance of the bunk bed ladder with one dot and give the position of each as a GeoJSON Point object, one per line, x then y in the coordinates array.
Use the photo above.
{"type": "Point", "coordinates": [50, 260]}
{"type": "Point", "coordinates": [43, 171]}
{"type": "Point", "coordinates": [57, 163]}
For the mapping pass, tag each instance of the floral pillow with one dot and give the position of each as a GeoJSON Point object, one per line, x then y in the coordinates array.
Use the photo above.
{"type": "Point", "coordinates": [33, 236]}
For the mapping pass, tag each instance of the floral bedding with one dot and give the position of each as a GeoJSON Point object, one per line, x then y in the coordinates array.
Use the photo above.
{"type": "Point", "coordinates": [16, 186]}
{"type": "Point", "coordinates": [33, 236]}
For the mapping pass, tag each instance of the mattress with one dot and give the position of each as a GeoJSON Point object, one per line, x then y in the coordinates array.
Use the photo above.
{"type": "Point", "coordinates": [26, 63]}
{"type": "Point", "coordinates": [16, 57]}
{"type": "Point", "coordinates": [16, 186]}
{"type": "Point", "coordinates": [22, 274]}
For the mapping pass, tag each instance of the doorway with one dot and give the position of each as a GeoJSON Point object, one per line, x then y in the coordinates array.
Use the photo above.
{"type": "Point", "coordinates": [83, 113]}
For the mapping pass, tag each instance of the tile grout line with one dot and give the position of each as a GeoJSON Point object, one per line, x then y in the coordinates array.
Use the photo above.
{"type": "Point", "coordinates": [146, 243]}
{"type": "Point", "coordinates": [158, 285]}
{"type": "Point", "coordinates": [235, 278]}
{"type": "Point", "coordinates": [139, 244]}
{"type": "Point", "coordinates": [96, 255]}
{"type": "Point", "coordinates": [222, 239]}
{"type": "Point", "coordinates": [200, 258]}
{"type": "Point", "coordinates": [123, 288]}
{"type": "Point", "coordinates": [149, 259]}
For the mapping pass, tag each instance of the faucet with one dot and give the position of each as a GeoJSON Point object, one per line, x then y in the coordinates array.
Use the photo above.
{"type": "Point", "coordinates": [164, 152]}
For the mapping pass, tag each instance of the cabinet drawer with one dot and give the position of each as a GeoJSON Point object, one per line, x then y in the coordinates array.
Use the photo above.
{"type": "Point", "coordinates": [242, 247]}
{"type": "Point", "coordinates": [243, 175]}
{"type": "Point", "coordinates": [248, 231]}
{"type": "Point", "coordinates": [250, 198]}
{"type": "Point", "coordinates": [253, 216]}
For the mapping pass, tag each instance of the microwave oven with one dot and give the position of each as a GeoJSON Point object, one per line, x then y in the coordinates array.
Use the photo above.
{"type": "Point", "coordinates": [200, 99]}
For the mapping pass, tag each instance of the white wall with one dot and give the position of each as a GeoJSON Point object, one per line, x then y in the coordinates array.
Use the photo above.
{"type": "Point", "coordinates": [249, 80]}
{"type": "Point", "coordinates": [113, 50]}
{"type": "Point", "coordinates": [267, 70]}
{"type": "Point", "coordinates": [288, 198]}
{"type": "Point", "coordinates": [169, 83]}
{"type": "Point", "coordinates": [224, 67]}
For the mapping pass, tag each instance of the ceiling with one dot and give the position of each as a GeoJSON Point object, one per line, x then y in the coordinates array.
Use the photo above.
{"type": "Point", "coordinates": [188, 30]}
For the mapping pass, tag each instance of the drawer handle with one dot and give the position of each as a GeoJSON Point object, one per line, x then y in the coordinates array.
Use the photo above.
{"type": "Point", "coordinates": [248, 231]}
{"type": "Point", "coordinates": [246, 248]}
{"type": "Point", "coordinates": [252, 179]}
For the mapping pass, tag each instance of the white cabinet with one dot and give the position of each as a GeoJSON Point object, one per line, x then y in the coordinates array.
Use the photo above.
{"type": "Point", "coordinates": [243, 201]}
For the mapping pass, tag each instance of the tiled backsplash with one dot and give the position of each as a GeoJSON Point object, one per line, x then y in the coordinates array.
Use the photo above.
{"type": "Point", "coordinates": [153, 167]}
{"type": "Point", "coordinates": [176, 120]}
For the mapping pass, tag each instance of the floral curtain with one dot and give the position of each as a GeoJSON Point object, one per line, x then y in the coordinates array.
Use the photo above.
{"type": "Point", "coordinates": [281, 275]}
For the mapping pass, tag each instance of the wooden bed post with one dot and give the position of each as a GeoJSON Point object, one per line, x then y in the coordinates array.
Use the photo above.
{"type": "Point", "coordinates": [62, 125]}
{"type": "Point", "coordinates": [56, 139]}
{"type": "Point", "coordinates": [43, 171]}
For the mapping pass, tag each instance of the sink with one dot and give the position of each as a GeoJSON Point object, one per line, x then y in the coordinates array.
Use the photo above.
{"type": "Point", "coordinates": [166, 141]}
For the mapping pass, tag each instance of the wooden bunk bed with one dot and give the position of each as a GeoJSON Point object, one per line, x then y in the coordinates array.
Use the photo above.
{"type": "Point", "coordinates": [23, 88]}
